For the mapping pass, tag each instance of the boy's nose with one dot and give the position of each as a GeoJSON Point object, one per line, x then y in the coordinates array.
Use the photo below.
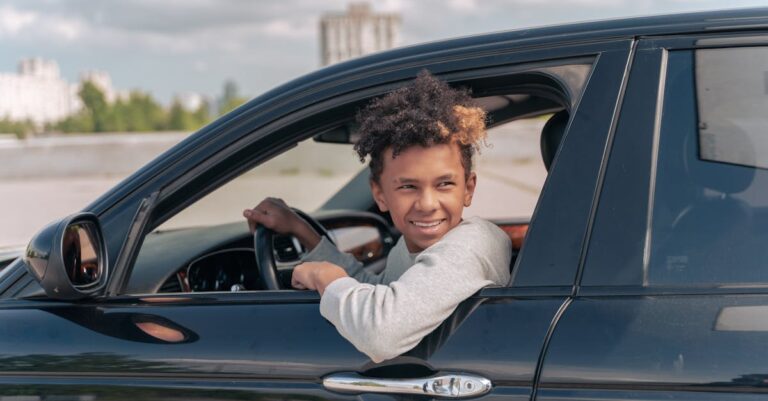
{"type": "Point", "coordinates": [427, 202]}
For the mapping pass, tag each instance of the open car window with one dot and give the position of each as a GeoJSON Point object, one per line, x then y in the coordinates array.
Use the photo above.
{"type": "Point", "coordinates": [207, 246]}
{"type": "Point", "coordinates": [305, 176]}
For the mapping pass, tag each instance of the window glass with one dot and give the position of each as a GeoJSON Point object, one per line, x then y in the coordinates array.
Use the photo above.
{"type": "Point", "coordinates": [731, 87]}
{"type": "Point", "coordinates": [710, 206]}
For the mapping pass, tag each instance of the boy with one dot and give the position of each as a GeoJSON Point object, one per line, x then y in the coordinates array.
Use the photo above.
{"type": "Point", "coordinates": [421, 139]}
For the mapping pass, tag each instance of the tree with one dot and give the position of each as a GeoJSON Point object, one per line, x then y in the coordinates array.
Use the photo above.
{"type": "Point", "coordinates": [21, 129]}
{"type": "Point", "coordinates": [116, 119]}
{"type": "Point", "coordinates": [202, 115]}
{"type": "Point", "coordinates": [231, 105]}
{"type": "Point", "coordinates": [144, 114]}
{"type": "Point", "coordinates": [230, 99]}
{"type": "Point", "coordinates": [139, 113]}
{"type": "Point", "coordinates": [95, 104]}
{"type": "Point", "coordinates": [230, 91]}
{"type": "Point", "coordinates": [179, 119]}
{"type": "Point", "coordinates": [80, 122]}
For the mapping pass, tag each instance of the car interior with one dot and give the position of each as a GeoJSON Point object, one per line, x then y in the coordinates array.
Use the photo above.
{"type": "Point", "coordinates": [220, 257]}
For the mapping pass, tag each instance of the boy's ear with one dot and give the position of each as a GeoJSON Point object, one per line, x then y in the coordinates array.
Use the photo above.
{"type": "Point", "coordinates": [471, 183]}
{"type": "Point", "coordinates": [378, 196]}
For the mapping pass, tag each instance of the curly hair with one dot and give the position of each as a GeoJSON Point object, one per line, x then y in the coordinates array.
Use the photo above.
{"type": "Point", "coordinates": [426, 112]}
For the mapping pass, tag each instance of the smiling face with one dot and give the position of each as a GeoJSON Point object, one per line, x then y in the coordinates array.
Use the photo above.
{"type": "Point", "coordinates": [425, 191]}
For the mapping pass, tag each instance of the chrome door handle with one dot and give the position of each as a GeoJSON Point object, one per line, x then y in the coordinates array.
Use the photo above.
{"type": "Point", "coordinates": [447, 386]}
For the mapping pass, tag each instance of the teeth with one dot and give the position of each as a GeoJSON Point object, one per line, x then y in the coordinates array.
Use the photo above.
{"type": "Point", "coordinates": [421, 224]}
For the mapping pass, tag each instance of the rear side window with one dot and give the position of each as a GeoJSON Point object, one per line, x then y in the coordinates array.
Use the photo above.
{"type": "Point", "coordinates": [709, 213]}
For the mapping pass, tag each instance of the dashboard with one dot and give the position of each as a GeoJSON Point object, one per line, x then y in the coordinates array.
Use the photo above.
{"type": "Point", "coordinates": [222, 258]}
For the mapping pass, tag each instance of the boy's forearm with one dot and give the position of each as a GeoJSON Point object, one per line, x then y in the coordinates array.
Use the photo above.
{"type": "Point", "coordinates": [308, 237]}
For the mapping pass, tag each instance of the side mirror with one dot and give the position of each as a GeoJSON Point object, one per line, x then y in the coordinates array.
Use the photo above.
{"type": "Point", "coordinates": [69, 258]}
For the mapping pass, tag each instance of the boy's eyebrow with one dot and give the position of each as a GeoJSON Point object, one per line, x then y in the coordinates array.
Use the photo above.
{"type": "Point", "coordinates": [407, 180]}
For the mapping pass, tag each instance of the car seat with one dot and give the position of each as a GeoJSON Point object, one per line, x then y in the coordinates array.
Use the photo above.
{"type": "Point", "coordinates": [708, 239]}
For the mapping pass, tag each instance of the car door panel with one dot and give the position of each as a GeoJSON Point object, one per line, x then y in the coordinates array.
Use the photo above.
{"type": "Point", "coordinates": [500, 339]}
{"type": "Point", "coordinates": [637, 346]}
{"type": "Point", "coordinates": [634, 395]}
{"type": "Point", "coordinates": [239, 347]}
{"type": "Point", "coordinates": [628, 335]}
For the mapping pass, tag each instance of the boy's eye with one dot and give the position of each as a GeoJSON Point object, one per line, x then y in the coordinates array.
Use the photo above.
{"type": "Point", "coordinates": [406, 186]}
{"type": "Point", "coordinates": [446, 184]}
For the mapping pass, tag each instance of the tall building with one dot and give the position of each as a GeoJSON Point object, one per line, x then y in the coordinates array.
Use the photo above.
{"type": "Point", "coordinates": [37, 93]}
{"type": "Point", "coordinates": [357, 32]}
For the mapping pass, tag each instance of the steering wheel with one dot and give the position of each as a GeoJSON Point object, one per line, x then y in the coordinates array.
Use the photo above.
{"type": "Point", "coordinates": [264, 250]}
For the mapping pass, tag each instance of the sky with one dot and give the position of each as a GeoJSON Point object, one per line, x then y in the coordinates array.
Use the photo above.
{"type": "Point", "coordinates": [172, 46]}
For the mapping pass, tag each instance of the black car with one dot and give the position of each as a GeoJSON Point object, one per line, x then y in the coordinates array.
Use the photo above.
{"type": "Point", "coordinates": [643, 274]}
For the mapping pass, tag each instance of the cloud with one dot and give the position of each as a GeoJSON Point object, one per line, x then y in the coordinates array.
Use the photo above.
{"type": "Point", "coordinates": [168, 27]}
{"type": "Point", "coordinates": [298, 28]}
{"type": "Point", "coordinates": [200, 66]}
{"type": "Point", "coordinates": [463, 5]}
{"type": "Point", "coordinates": [390, 6]}
{"type": "Point", "coordinates": [68, 29]}
{"type": "Point", "coordinates": [40, 26]}
{"type": "Point", "coordinates": [12, 21]}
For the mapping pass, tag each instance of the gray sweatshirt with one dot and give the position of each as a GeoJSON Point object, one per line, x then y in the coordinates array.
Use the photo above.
{"type": "Point", "coordinates": [384, 315]}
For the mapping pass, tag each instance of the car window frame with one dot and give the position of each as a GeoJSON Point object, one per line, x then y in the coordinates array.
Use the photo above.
{"type": "Point", "coordinates": [660, 46]}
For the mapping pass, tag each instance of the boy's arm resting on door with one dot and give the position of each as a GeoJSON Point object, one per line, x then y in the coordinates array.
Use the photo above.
{"type": "Point", "coordinates": [384, 321]}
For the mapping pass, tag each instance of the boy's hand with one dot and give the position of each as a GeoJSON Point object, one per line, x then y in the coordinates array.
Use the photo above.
{"type": "Point", "coordinates": [275, 214]}
{"type": "Point", "coordinates": [316, 276]}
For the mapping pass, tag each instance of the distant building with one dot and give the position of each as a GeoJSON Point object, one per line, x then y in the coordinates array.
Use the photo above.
{"type": "Point", "coordinates": [357, 32]}
{"type": "Point", "coordinates": [37, 93]}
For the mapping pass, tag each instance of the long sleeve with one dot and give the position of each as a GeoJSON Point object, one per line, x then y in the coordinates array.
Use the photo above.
{"type": "Point", "coordinates": [384, 321]}
{"type": "Point", "coordinates": [325, 251]}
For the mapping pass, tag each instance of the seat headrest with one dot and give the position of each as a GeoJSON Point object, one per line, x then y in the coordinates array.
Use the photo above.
{"type": "Point", "coordinates": [552, 135]}
{"type": "Point", "coordinates": [721, 176]}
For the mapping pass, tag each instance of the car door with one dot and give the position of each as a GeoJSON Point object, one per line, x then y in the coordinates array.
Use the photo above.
{"type": "Point", "coordinates": [275, 344]}
{"type": "Point", "coordinates": [672, 301]}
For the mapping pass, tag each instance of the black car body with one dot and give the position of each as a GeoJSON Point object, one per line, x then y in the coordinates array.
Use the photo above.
{"type": "Point", "coordinates": [642, 276]}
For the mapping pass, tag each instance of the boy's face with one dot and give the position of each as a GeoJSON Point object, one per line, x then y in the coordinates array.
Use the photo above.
{"type": "Point", "coordinates": [425, 192]}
